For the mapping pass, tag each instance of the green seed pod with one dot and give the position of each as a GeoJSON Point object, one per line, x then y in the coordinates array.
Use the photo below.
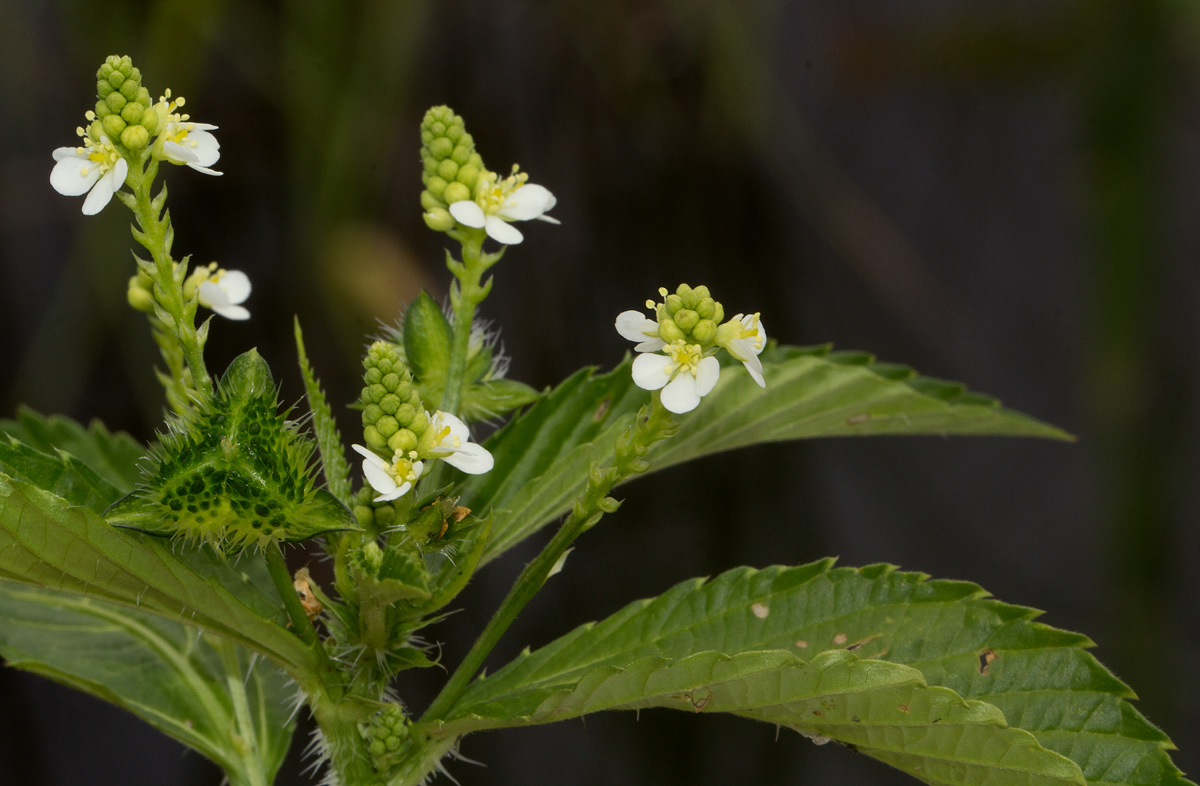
{"type": "Point", "coordinates": [236, 474]}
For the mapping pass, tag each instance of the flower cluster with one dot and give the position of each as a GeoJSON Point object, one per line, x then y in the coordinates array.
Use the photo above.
{"type": "Point", "coordinates": [396, 425]}
{"type": "Point", "coordinates": [219, 289]}
{"type": "Point", "coordinates": [124, 126]}
{"type": "Point", "coordinates": [458, 188]}
{"type": "Point", "coordinates": [677, 349]}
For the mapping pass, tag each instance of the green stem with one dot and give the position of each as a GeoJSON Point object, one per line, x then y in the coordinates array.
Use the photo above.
{"type": "Point", "coordinates": [156, 235]}
{"type": "Point", "coordinates": [651, 425]}
{"type": "Point", "coordinates": [287, 592]}
{"type": "Point", "coordinates": [244, 739]}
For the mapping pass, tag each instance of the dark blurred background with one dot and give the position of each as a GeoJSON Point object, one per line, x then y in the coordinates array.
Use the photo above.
{"type": "Point", "coordinates": [999, 192]}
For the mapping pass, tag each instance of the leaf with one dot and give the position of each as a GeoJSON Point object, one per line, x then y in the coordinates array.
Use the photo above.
{"type": "Point", "coordinates": [114, 457]}
{"type": "Point", "coordinates": [60, 474]}
{"type": "Point", "coordinates": [235, 474]}
{"type": "Point", "coordinates": [46, 542]}
{"type": "Point", "coordinates": [329, 441]}
{"type": "Point", "coordinates": [542, 456]}
{"type": "Point", "coordinates": [164, 672]}
{"type": "Point", "coordinates": [882, 709]}
{"type": "Point", "coordinates": [1042, 679]}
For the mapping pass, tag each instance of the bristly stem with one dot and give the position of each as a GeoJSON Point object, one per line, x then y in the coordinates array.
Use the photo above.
{"type": "Point", "coordinates": [652, 424]}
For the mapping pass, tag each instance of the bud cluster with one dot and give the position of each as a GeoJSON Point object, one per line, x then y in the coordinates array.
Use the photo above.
{"type": "Point", "coordinates": [124, 111]}
{"type": "Point", "coordinates": [690, 315]}
{"type": "Point", "coordinates": [393, 416]}
{"type": "Point", "coordinates": [384, 733]}
{"type": "Point", "coordinates": [451, 166]}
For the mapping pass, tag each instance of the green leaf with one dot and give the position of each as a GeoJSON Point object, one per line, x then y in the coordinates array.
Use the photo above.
{"type": "Point", "coordinates": [60, 474]}
{"type": "Point", "coordinates": [1042, 679]}
{"type": "Point", "coordinates": [329, 441]}
{"type": "Point", "coordinates": [542, 457]}
{"type": "Point", "coordinates": [44, 541]}
{"type": "Point", "coordinates": [236, 473]}
{"type": "Point", "coordinates": [882, 709]}
{"type": "Point", "coordinates": [494, 398]}
{"type": "Point", "coordinates": [164, 672]}
{"type": "Point", "coordinates": [114, 457]}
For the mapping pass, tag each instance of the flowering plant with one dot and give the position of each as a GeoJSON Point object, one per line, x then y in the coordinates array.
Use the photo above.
{"type": "Point", "coordinates": [178, 547]}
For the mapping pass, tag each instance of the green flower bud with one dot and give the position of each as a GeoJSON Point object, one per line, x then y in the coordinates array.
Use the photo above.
{"type": "Point", "coordinates": [686, 319]}
{"type": "Point", "coordinates": [674, 303]}
{"type": "Point", "coordinates": [139, 296]}
{"type": "Point", "coordinates": [150, 121]}
{"type": "Point", "coordinates": [113, 126]}
{"type": "Point", "coordinates": [441, 148]}
{"type": "Point", "coordinates": [704, 332]}
{"type": "Point", "coordinates": [669, 332]}
{"type": "Point", "coordinates": [436, 186]}
{"type": "Point", "coordinates": [438, 219]}
{"type": "Point", "coordinates": [468, 174]}
{"type": "Point", "coordinates": [143, 97]}
{"type": "Point", "coordinates": [132, 112]}
{"type": "Point", "coordinates": [403, 441]}
{"type": "Point", "coordinates": [461, 155]}
{"type": "Point", "coordinates": [447, 170]}
{"type": "Point", "coordinates": [390, 400]}
{"type": "Point", "coordinates": [389, 404]}
{"type": "Point", "coordinates": [456, 192]}
{"type": "Point", "coordinates": [429, 164]}
{"type": "Point", "coordinates": [374, 441]}
{"type": "Point", "coordinates": [404, 413]}
{"type": "Point", "coordinates": [135, 137]}
{"type": "Point", "coordinates": [102, 110]}
{"type": "Point", "coordinates": [430, 202]}
{"type": "Point", "coordinates": [103, 88]}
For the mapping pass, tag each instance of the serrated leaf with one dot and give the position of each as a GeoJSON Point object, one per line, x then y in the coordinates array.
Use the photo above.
{"type": "Point", "coordinates": [236, 474]}
{"type": "Point", "coordinates": [329, 441]}
{"type": "Point", "coordinates": [114, 457]}
{"type": "Point", "coordinates": [883, 709]}
{"type": "Point", "coordinates": [542, 456]}
{"type": "Point", "coordinates": [164, 672]}
{"type": "Point", "coordinates": [46, 542]}
{"type": "Point", "coordinates": [1041, 678]}
{"type": "Point", "coordinates": [60, 474]}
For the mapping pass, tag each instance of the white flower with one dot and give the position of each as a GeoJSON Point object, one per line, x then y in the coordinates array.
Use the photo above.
{"type": "Point", "coordinates": [452, 444]}
{"type": "Point", "coordinates": [223, 290]}
{"type": "Point", "coordinates": [185, 142]}
{"type": "Point", "coordinates": [683, 374]}
{"type": "Point", "coordinates": [391, 479]}
{"type": "Point", "coordinates": [636, 326]}
{"type": "Point", "coordinates": [748, 343]}
{"type": "Point", "coordinates": [96, 169]}
{"type": "Point", "coordinates": [501, 201]}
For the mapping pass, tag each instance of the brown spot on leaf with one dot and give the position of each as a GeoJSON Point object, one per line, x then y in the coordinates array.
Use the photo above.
{"type": "Point", "coordinates": [903, 708]}
{"type": "Point", "coordinates": [840, 639]}
{"type": "Point", "coordinates": [817, 712]}
{"type": "Point", "coordinates": [761, 610]}
{"type": "Point", "coordinates": [861, 642]}
{"type": "Point", "coordinates": [985, 661]}
{"type": "Point", "coordinates": [802, 644]}
{"type": "Point", "coordinates": [602, 410]}
{"type": "Point", "coordinates": [854, 420]}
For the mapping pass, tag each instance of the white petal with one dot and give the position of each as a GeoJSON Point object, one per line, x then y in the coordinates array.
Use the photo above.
{"type": "Point", "coordinates": [634, 325]}
{"type": "Point", "coordinates": [178, 154]}
{"type": "Point", "coordinates": [706, 375]}
{"type": "Point", "coordinates": [650, 371]}
{"type": "Point", "coordinates": [236, 285]}
{"type": "Point", "coordinates": [528, 201]}
{"type": "Point", "coordinates": [503, 232]}
{"type": "Point", "coordinates": [206, 148]}
{"type": "Point", "coordinates": [650, 345]}
{"type": "Point", "coordinates": [74, 175]}
{"type": "Point", "coordinates": [680, 395]}
{"type": "Point", "coordinates": [236, 313]}
{"type": "Point", "coordinates": [370, 456]}
{"type": "Point", "coordinates": [400, 491]}
{"type": "Point", "coordinates": [212, 295]}
{"type": "Point", "coordinates": [549, 219]}
{"type": "Point", "coordinates": [759, 342]}
{"type": "Point", "coordinates": [468, 213]}
{"type": "Point", "coordinates": [205, 170]}
{"type": "Point", "coordinates": [201, 126]}
{"type": "Point", "coordinates": [105, 187]}
{"type": "Point", "coordinates": [754, 366]}
{"type": "Point", "coordinates": [458, 429]}
{"type": "Point", "coordinates": [471, 458]}
{"type": "Point", "coordinates": [65, 152]}
{"type": "Point", "coordinates": [379, 478]}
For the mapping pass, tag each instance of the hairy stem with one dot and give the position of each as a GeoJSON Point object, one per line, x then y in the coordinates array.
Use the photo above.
{"type": "Point", "coordinates": [244, 737]}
